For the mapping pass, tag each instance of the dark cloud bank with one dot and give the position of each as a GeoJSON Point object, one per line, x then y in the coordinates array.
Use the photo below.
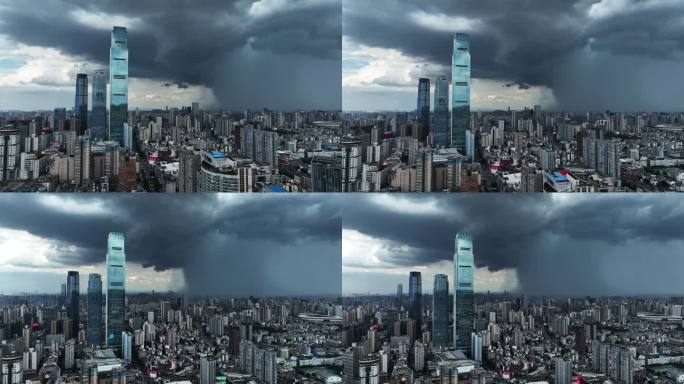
{"type": "Point", "coordinates": [627, 59]}
{"type": "Point", "coordinates": [578, 245]}
{"type": "Point", "coordinates": [260, 246]}
{"type": "Point", "coordinates": [287, 58]}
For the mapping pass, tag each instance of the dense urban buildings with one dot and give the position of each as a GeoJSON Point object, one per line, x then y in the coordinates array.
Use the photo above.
{"type": "Point", "coordinates": [513, 150]}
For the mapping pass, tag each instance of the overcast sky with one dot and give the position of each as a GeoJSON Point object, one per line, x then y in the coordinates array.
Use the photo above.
{"type": "Point", "coordinates": [564, 54]}
{"type": "Point", "coordinates": [234, 54]}
{"type": "Point", "coordinates": [235, 245]}
{"type": "Point", "coordinates": [557, 244]}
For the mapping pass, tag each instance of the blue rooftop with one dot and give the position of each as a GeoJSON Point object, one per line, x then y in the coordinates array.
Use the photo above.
{"type": "Point", "coordinates": [558, 177]}
{"type": "Point", "coordinates": [217, 155]}
{"type": "Point", "coordinates": [275, 188]}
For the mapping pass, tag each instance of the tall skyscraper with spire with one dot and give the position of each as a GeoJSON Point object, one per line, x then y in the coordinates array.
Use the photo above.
{"type": "Point", "coordinates": [416, 297]}
{"type": "Point", "coordinates": [460, 91]}
{"type": "Point", "coordinates": [440, 311]}
{"type": "Point", "coordinates": [94, 325]}
{"type": "Point", "coordinates": [116, 289]}
{"type": "Point", "coordinates": [464, 305]}
{"type": "Point", "coordinates": [118, 84]}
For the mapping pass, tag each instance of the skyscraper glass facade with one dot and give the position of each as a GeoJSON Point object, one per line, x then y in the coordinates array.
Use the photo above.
{"type": "Point", "coordinates": [98, 116]}
{"type": "Point", "coordinates": [72, 300]}
{"type": "Point", "coordinates": [81, 103]}
{"type": "Point", "coordinates": [463, 292]}
{"type": "Point", "coordinates": [460, 91]}
{"type": "Point", "coordinates": [440, 124]}
{"type": "Point", "coordinates": [116, 289]}
{"type": "Point", "coordinates": [94, 326]}
{"type": "Point", "coordinates": [440, 311]}
{"type": "Point", "coordinates": [416, 297]}
{"type": "Point", "coordinates": [118, 80]}
{"type": "Point", "coordinates": [423, 108]}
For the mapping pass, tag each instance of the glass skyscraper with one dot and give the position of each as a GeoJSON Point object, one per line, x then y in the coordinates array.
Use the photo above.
{"type": "Point", "coordinates": [464, 306]}
{"type": "Point", "coordinates": [94, 329]}
{"type": "Point", "coordinates": [98, 116]}
{"type": "Point", "coordinates": [416, 297]}
{"type": "Point", "coordinates": [116, 289]}
{"type": "Point", "coordinates": [81, 103]}
{"type": "Point", "coordinates": [460, 91]}
{"type": "Point", "coordinates": [73, 300]}
{"type": "Point", "coordinates": [440, 125]}
{"type": "Point", "coordinates": [118, 84]}
{"type": "Point", "coordinates": [440, 311]}
{"type": "Point", "coordinates": [423, 108]}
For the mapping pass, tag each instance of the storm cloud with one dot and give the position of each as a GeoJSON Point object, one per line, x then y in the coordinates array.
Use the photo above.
{"type": "Point", "coordinates": [250, 53]}
{"type": "Point", "coordinates": [593, 54]}
{"type": "Point", "coordinates": [235, 245]}
{"type": "Point", "coordinates": [572, 244]}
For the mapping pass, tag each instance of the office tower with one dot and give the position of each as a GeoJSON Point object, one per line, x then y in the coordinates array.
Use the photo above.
{"type": "Point", "coordinates": [73, 300]}
{"type": "Point", "coordinates": [82, 157]}
{"type": "Point", "coordinates": [369, 370]}
{"type": "Point", "coordinates": [116, 289]}
{"type": "Point", "coordinates": [127, 346]}
{"type": "Point", "coordinates": [350, 360]}
{"type": "Point", "coordinates": [581, 340]}
{"type": "Point", "coordinates": [563, 371]}
{"type": "Point", "coordinates": [11, 371]}
{"type": "Point", "coordinates": [440, 311]}
{"type": "Point", "coordinates": [69, 354]}
{"type": "Point", "coordinates": [460, 91]}
{"type": "Point", "coordinates": [207, 370]}
{"type": "Point", "coordinates": [195, 108]}
{"type": "Point", "coordinates": [464, 305]}
{"type": "Point", "coordinates": [118, 84]}
{"type": "Point", "coordinates": [424, 170]}
{"type": "Point", "coordinates": [440, 126]}
{"type": "Point", "coordinates": [326, 174]}
{"type": "Point", "coordinates": [423, 109]}
{"type": "Point", "coordinates": [58, 115]}
{"type": "Point", "coordinates": [94, 308]}
{"type": "Point", "coordinates": [9, 152]}
{"type": "Point", "coordinates": [81, 103]}
{"type": "Point", "coordinates": [351, 165]}
{"type": "Point", "coordinates": [418, 356]}
{"type": "Point", "coordinates": [372, 337]}
{"type": "Point", "coordinates": [416, 297]}
{"type": "Point", "coordinates": [98, 115]}
{"type": "Point", "coordinates": [400, 294]}
{"type": "Point", "coordinates": [189, 165]}
{"type": "Point", "coordinates": [476, 346]}
{"type": "Point", "coordinates": [470, 145]}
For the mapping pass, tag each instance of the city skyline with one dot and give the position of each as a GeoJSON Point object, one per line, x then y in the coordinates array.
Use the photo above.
{"type": "Point", "coordinates": [563, 55]}
{"type": "Point", "coordinates": [551, 245]}
{"type": "Point", "coordinates": [201, 244]}
{"type": "Point", "coordinates": [279, 56]}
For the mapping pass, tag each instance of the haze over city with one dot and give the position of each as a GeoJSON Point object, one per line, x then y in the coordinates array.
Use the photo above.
{"type": "Point", "coordinates": [568, 245]}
